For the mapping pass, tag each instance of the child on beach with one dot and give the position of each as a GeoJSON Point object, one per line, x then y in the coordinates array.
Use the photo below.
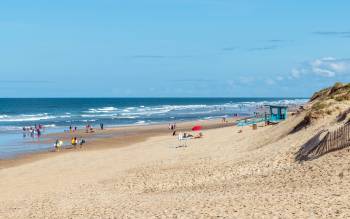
{"type": "Point", "coordinates": [58, 145]}
{"type": "Point", "coordinates": [81, 142]}
{"type": "Point", "coordinates": [74, 141]}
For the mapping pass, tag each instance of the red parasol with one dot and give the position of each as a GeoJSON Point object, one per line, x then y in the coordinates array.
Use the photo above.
{"type": "Point", "coordinates": [197, 128]}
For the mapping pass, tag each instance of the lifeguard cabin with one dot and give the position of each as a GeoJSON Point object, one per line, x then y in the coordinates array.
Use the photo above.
{"type": "Point", "coordinates": [277, 113]}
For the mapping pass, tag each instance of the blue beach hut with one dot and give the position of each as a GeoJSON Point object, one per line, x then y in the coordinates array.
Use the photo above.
{"type": "Point", "coordinates": [273, 114]}
{"type": "Point", "coordinates": [277, 112]}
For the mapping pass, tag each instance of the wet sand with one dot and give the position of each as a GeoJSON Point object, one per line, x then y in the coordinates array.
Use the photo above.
{"type": "Point", "coordinates": [108, 138]}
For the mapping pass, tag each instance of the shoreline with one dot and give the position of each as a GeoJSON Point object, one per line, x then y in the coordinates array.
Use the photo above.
{"type": "Point", "coordinates": [114, 137]}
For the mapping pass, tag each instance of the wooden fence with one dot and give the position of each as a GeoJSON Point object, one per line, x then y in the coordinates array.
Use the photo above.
{"type": "Point", "coordinates": [316, 146]}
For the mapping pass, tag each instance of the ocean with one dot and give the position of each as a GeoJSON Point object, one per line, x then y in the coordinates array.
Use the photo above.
{"type": "Point", "coordinates": [57, 114]}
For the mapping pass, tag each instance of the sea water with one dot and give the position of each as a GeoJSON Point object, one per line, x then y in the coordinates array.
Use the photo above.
{"type": "Point", "coordinates": [57, 114]}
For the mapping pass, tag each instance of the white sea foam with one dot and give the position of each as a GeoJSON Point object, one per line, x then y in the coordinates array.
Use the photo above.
{"type": "Point", "coordinates": [102, 110]}
{"type": "Point", "coordinates": [178, 110]}
{"type": "Point", "coordinates": [125, 117]}
{"type": "Point", "coordinates": [65, 116]}
{"type": "Point", "coordinates": [50, 126]}
{"type": "Point", "coordinates": [198, 109]}
{"type": "Point", "coordinates": [25, 118]}
{"type": "Point", "coordinates": [140, 122]}
{"type": "Point", "coordinates": [98, 115]}
{"type": "Point", "coordinates": [90, 120]}
{"type": "Point", "coordinates": [107, 109]}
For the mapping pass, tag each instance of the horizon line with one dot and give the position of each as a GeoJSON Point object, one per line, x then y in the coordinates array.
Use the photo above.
{"type": "Point", "coordinates": [146, 97]}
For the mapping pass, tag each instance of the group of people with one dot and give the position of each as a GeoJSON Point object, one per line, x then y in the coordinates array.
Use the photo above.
{"type": "Point", "coordinates": [172, 126]}
{"type": "Point", "coordinates": [33, 131]}
{"type": "Point", "coordinates": [38, 129]}
{"type": "Point", "coordinates": [189, 135]}
{"type": "Point", "coordinates": [74, 142]}
{"type": "Point", "coordinates": [71, 129]}
{"type": "Point", "coordinates": [88, 128]}
{"type": "Point", "coordinates": [224, 119]}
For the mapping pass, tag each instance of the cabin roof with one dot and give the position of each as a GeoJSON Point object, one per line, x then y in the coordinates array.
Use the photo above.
{"type": "Point", "coordinates": [277, 106]}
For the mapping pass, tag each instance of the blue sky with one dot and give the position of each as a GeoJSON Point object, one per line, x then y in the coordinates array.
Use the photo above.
{"type": "Point", "coordinates": [179, 48]}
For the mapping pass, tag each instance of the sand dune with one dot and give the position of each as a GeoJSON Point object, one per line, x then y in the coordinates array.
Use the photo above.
{"type": "Point", "coordinates": [226, 174]}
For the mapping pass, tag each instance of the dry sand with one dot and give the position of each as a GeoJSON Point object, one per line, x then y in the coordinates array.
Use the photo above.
{"type": "Point", "coordinates": [226, 174]}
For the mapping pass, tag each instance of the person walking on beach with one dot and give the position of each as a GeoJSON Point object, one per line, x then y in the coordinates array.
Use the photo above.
{"type": "Point", "coordinates": [101, 126]}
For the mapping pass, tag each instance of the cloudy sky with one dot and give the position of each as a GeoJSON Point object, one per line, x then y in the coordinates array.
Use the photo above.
{"type": "Point", "coordinates": [179, 48]}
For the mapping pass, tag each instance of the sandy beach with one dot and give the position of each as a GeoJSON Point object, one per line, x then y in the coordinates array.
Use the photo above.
{"type": "Point", "coordinates": [225, 174]}
{"type": "Point", "coordinates": [174, 109]}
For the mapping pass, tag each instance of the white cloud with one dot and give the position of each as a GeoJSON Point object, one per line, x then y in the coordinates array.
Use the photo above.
{"type": "Point", "coordinates": [324, 67]}
{"type": "Point", "coordinates": [330, 67]}
{"type": "Point", "coordinates": [323, 72]}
